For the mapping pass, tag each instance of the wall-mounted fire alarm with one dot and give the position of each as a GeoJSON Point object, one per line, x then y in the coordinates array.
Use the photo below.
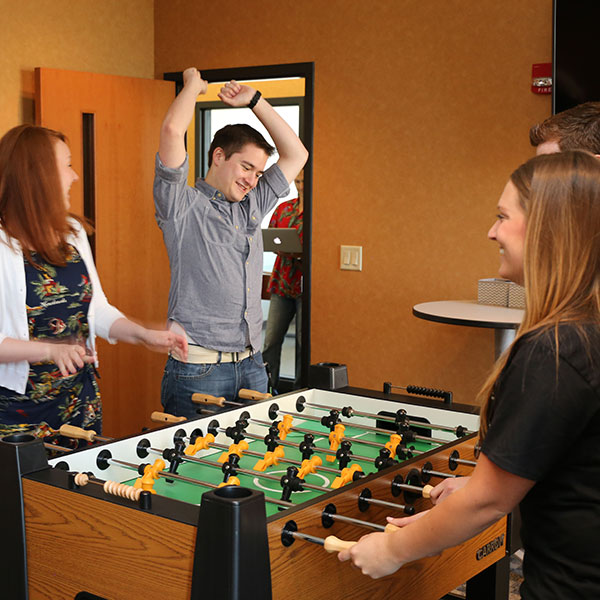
{"type": "Point", "coordinates": [541, 78]}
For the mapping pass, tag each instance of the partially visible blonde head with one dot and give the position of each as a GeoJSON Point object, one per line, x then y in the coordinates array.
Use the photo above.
{"type": "Point", "coordinates": [32, 203]}
{"type": "Point", "coordinates": [560, 195]}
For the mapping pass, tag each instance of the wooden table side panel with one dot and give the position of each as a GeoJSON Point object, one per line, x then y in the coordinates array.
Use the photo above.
{"type": "Point", "coordinates": [322, 576]}
{"type": "Point", "coordinates": [327, 578]}
{"type": "Point", "coordinates": [75, 543]}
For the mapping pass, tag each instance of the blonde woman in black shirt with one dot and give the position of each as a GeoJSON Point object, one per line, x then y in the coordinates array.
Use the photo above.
{"type": "Point", "coordinates": [540, 422]}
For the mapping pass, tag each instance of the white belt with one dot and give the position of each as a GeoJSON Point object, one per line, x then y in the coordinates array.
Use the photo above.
{"type": "Point", "coordinates": [198, 355]}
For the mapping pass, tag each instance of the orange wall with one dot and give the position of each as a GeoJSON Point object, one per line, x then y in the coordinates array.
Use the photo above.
{"type": "Point", "coordinates": [421, 112]}
{"type": "Point", "coordinates": [111, 36]}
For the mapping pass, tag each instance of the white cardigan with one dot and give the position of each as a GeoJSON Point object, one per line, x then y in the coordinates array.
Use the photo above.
{"type": "Point", "coordinates": [13, 311]}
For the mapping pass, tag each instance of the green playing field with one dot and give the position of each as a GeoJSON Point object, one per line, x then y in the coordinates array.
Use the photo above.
{"type": "Point", "coordinates": [365, 445]}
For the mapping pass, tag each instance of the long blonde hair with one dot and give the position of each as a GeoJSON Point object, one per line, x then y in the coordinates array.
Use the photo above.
{"type": "Point", "coordinates": [560, 196]}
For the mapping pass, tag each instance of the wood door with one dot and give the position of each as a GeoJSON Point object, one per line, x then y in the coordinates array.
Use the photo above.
{"type": "Point", "coordinates": [130, 254]}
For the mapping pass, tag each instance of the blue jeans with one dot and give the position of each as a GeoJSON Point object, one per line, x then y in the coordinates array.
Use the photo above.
{"type": "Point", "coordinates": [181, 380]}
{"type": "Point", "coordinates": [281, 313]}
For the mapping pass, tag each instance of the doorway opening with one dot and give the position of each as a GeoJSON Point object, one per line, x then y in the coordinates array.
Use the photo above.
{"type": "Point", "coordinates": [289, 88]}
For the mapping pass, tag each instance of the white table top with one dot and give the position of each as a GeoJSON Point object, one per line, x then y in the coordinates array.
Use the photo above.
{"type": "Point", "coordinates": [469, 313]}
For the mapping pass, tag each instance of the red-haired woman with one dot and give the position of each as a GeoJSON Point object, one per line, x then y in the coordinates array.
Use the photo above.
{"type": "Point", "coordinates": [51, 302]}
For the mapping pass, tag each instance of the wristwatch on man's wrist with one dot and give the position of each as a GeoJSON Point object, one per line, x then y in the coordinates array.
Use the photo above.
{"type": "Point", "coordinates": [254, 100]}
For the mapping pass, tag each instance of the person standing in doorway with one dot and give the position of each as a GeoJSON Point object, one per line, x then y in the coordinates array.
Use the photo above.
{"type": "Point", "coordinates": [212, 235]}
{"type": "Point", "coordinates": [285, 287]}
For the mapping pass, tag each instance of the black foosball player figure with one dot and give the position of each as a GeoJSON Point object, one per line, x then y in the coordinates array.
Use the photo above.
{"type": "Point", "coordinates": [290, 482]}
{"type": "Point", "coordinates": [542, 397]}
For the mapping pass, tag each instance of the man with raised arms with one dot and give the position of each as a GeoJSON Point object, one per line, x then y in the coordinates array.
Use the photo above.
{"type": "Point", "coordinates": [213, 239]}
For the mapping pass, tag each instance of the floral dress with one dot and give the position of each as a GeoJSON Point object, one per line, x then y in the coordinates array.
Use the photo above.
{"type": "Point", "coordinates": [58, 299]}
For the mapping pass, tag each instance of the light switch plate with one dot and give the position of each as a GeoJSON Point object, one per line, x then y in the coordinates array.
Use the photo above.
{"type": "Point", "coordinates": [351, 258]}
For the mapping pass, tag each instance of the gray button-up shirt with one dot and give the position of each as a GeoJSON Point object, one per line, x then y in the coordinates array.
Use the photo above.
{"type": "Point", "coordinates": [215, 252]}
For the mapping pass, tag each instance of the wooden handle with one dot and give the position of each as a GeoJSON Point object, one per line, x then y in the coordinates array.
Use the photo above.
{"type": "Point", "coordinates": [389, 528]}
{"type": "Point", "coordinates": [245, 394]}
{"type": "Point", "coordinates": [77, 433]}
{"type": "Point", "coordinates": [427, 491]}
{"type": "Point", "coordinates": [160, 417]}
{"type": "Point", "coordinates": [334, 544]}
{"type": "Point", "coordinates": [208, 399]}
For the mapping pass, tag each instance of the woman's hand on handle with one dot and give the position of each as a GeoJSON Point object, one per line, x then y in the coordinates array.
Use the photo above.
{"type": "Point", "coordinates": [372, 555]}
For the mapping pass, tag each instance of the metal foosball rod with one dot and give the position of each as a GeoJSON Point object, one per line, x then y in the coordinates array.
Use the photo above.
{"type": "Point", "coordinates": [331, 543]}
{"type": "Point", "coordinates": [427, 471]}
{"type": "Point", "coordinates": [232, 432]}
{"type": "Point", "coordinates": [105, 459]}
{"type": "Point", "coordinates": [292, 481]}
{"type": "Point", "coordinates": [132, 493]}
{"type": "Point", "coordinates": [468, 463]}
{"type": "Point", "coordinates": [424, 491]}
{"type": "Point", "coordinates": [417, 390]}
{"type": "Point", "coordinates": [340, 443]}
{"type": "Point", "coordinates": [400, 417]}
{"type": "Point", "coordinates": [365, 499]}
{"type": "Point", "coordinates": [417, 490]}
{"type": "Point", "coordinates": [279, 459]}
{"type": "Point", "coordinates": [387, 451]}
{"type": "Point", "coordinates": [272, 457]}
{"type": "Point", "coordinates": [454, 460]}
{"type": "Point", "coordinates": [230, 468]}
{"type": "Point", "coordinates": [290, 532]}
{"type": "Point", "coordinates": [329, 516]}
{"type": "Point", "coordinates": [459, 431]}
{"type": "Point", "coordinates": [57, 448]}
{"type": "Point", "coordinates": [340, 438]}
{"type": "Point", "coordinates": [311, 462]}
{"type": "Point", "coordinates": [332, 420]}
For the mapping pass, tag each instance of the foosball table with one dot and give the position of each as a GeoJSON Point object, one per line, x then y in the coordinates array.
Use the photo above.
{"type": "Point", "coordinates": [293, 477]}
